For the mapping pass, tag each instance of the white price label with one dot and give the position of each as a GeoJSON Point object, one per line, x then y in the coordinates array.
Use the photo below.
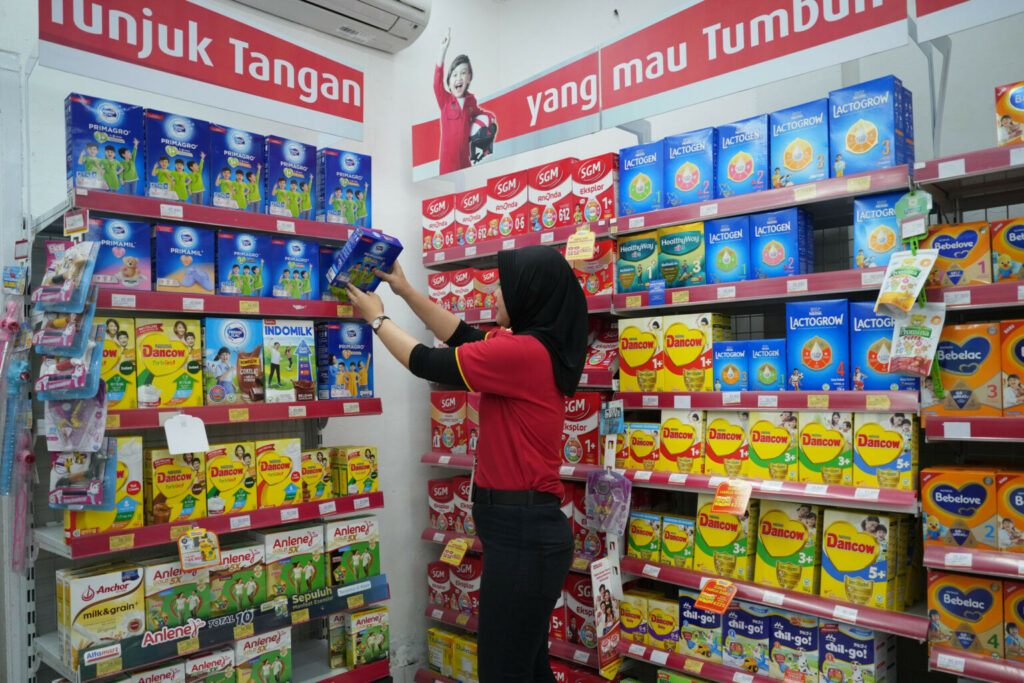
{"type": "Point", "coordinates": [677, 478]}
{"type": "Point", "coordinates": [296, 411]}
{"type": "Point", "coordinates": [797, 285]}
{"type": "Point", "coordinates": [768, 485]}
{"type": "Point", "coordinates": [444, 459]}
{"type": "Point", "coordinates": [641, 475]}
{"type": "Point", "coordinates": [773, 598]}
{"type": "Point", "coordinates": [566, 471]}
{"type": "Point", "coordinates": [509, 244]}
{"type": "Point", "coordinates": [348, 408]}
{"type": "Point", "coordinates": [486, 314]}
{"type": "Point", "coordinates": [637, 650]}
{"type": "Point", "coordinates": [956, 430]}
{"type": "Point", "coordinates": [438, 537]}
{"type": "Point", "coordinates": [289, 514]}
{"type": "Point", "coordinates": [241, 522]}
{"type": "Point", "coordinates": [731, 397]}
{"type": "Point", "coordinates": [171, 211]}
{"type": "Point", "coordinates": [958, 559]}
{"type": "Point", "coordinates": [866, 494]}
{"type": "Point", "coordinates": [649, 401]}
{"type": "Point", "coordinates": [584, 378]}
{"type": "Point", "coordinates": [81, 191]}
{"type": "Point", "coordinates": [328, 507]}
{"type": "Point", "coordinates": [714, 482]}
{"type": "Point", "coordinates": [122, 300]}
{"type": "Point", "coordinates": [950, 663]}
{"type": "Point", "coordinates": [438, 256]}
{"type": "Point", "coordinates": [1016, 156]}
{"type": "Point", "coordinates": [816, 489]}
{"type": "Point", "coordinates": [73, 223]}
{"type": "Point", "coordinates": [436, 614]}
{"type": "Point", "coordinates": [914, 227]}
{"type": "Point", "coordinates": [1020, 292]}
{"type": "Point", "coordinates": [948, 169]}
{"type": "Point", "coordinates": [726, 292]}
{"type": "Point", "coordinates": [191, 303]}
{"type": "Point", "coordinates": [636, 222]}
{"type": "Point", "coordinates": [546, 237]}
{"type": "Point", "coordinates": [709, 209]}
{"type": "Point", "coordinates": [844, 613]}
{"type": "Point", "coordinates": [652, 570]}
{"type": "Point", "coordinates": [470, 251]}
{"type": "Point", "coordinates": [581, 656]}
{"type": "Point", "coordinates": [286, 226]}
{"type": "Point", "coordinates": [958, 298]}
{"type": "Point", "coordinates": [742, 678]}
{"type": "Point", "coordinates": [659, 657]}
{"type": "Point", "coordinates": [770, 401]}
{"type": "Point", "coordinates": [872, 279]}
{"type": "Point", "coordinates": [1020, 567]}
{"type": "Point", "coordinates": [681, 402]}
{"type": "Point", "coordinates": [703, 581]}
{"type": "Point", "coordinates": [360, 503]}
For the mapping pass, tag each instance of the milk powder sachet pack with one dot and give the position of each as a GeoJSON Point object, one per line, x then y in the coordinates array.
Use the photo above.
{"type": "Point", "coordinates": [904, 279]}
{"type": "Point", "coordinates": [915, 340]}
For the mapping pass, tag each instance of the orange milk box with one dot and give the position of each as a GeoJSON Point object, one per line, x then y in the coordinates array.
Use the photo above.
{"type": "Point", "coordinates": [1010, 510]}
{"type": "Point", "coordinates": [726, 448]}
{"type": "Point", "coordinates": [1013, 620]}
{"type": "Point", "coordinates": [641, 358]}
{"type": "Point", "coordinates": [688, 341]}
{"type": "Point", "coordinates": [681, 444]}
{"type": "Point", "coordinates": [971, 371]}
{"type": "Point", "coordinates": [965, 254]}
{"type": "Point", "coordinates": [1012, 362]}
{"type": "Point", "coordinates": [959, 507]}
{"type": "Point", "coordinates": [1010, 113]}
{"type": "Point", "coordinates": [1007, 249]}
{"type": "Point", "coordinates": [966, 613]}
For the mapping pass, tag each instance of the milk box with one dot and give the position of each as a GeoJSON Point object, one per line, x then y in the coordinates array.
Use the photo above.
{"type": "Point", "coordinates": [581, 437]}
{"type": "Point", "coordinates": [965, 254]}
{"type": "Point", "coordinates": [677, 540]}
{"type": "Point", "coordinates": [852, 653]}
{"type": "Point", "coordinates": [441, 502]}
{"type": "Point", "coordinates": [183, 259]}
{"type": "Point", "coordinates": [87, 598]}
{"type": "Point", "coordinates": [471, 217]}
{"type": "Point", "coordinates": [174, 597]}
{"type": "Point", "coordinates": [725, 543]}
{"type": "Point", "coordinates": [1013, 618]}
{"type": "Point", "coordinates": [644, 536]}
{"type": "Point", "coordinates": [726, 444]}
{"type": "Point", "coordinates": [294, 559]}
{"type": "Point", "coordinates": [439, 651]}
{"type": "Point", "coordinates": [595, 185]}
{"type": "Point", "coordinates": [230, 478]}
{"type": "Point", "coordinates": [176, 151]}
{"type": "Point", "coordinates": [353, 549]}
{"type": "Point", "coordinates": [507, 204]}
{"type": "Point", "coordinates": [102, 142]}
{"type": "Point", "coordinates": [279, 472]}
{"type": "Point", "coordinates": [690, 167]}
{"type": "Point", "coordinates": [439, 288]}
{"type": "Point", "coordinates": [294, 269]}
{"type": "Point", "coordinates": [681, 442]}
{"type": "Point", "coordinates": [123, 260]}
{"type": "Point", "coordinates": [586, 542]}
{"type": "Point", "coordinates": [211, 667]}
{"type": "Point", "coordinates": [579, 610]}
{"type": "Point", "coordinates": [640, 354]}
{"type": "Point", "coordinates": [742, 164]}
{"type": "Point", "coordinates": [117, 369]}
{"type": "Point", "coordinates": [549, 195]}
{"type": "Point", "coordinates": [129, 511]}
{"type": "Point", "coordinates": [447, 421]}
{"type": "Point", "coordinates": [316, 475]}
{"type": "Point", "coordinates": [556, 623]}
{"type": "Point", "coordinates": [663, 623]}
{"type": "Point", "coordinates": [681, 255]}
{"type": "Point", "coordinates": [233, 367]}
{"type": "Point", "coordinates": [264, 657]}
{"type": "Point", "coordinates": [970, 370]}
{"type": "Point", "coordinates": [242, 262]}
{"type": "Point", "coordinates": [463, 488]}
{"type": "Point", "coordinates": [464, 659]}
{"type": "Point", "coordinates": [344, 360]}
{"type": "Point", "coordinates": [641, 178]}
{"type": "Point", "coordinates": [858, 558]}
{"type": "Point", "coordinates": [637, 262]}
{"type": "Point", "coordinates": [597, 274]}
{"type": "Point", "coordinates": [439, 584]}
{"type": "Point", "coordinates": [642, 446]}
{"type": "Point", "coordinates": [236, 169]}
{"type": "Point", "coordinates": [175, 486]}
{"type": "Point", "coordinates": [688, 358]}
{"type": "Point", "coordinates": [1010, 506]}
{"type": "Point", "coordinates": [727, 248]}
{"type": "Point", "coordinates": [288, 360]}
{"type": "Point", "coordinates": [966, 613]}
{"type": "Point", "coordinates": [746, 636]}
{"type": "Point", "coordinates": [461, 290]}
{"type": "Point", "coordinates": [700, 631]}
{"type": "Point", "coordinates": [365, 251]}
{"type": "Point", "coordinates": [730, 366]}
{"type": "Point", "coordinates": [367, 636]}
{"type": "Point", "coordinates": [773, 453]}
{"type": "Point", "coordinates": [789, 546]}
{"type": "Point", "coordinates": [466, 585]}
{"type": "Point", "coordinates": [171, 673]}
{"type": "Point", "coordinates": [959, 507]}
{"type": "Point", "coordinates": [870, 348]}
{"type": "Point", "coordinates": [354, 469]}
{"type": "Point", "coordinates": [240, 580]}
{"type": "Point", "coordinates": [290, 176]}
{"type": "Point", "coordinates": [766, 364]}
{"type": "Point", "coordinates": [343, 188]}
{"type": "Point", "coordinates": [1009, 113]}
{"type": "Point", "coordinates": [867, 127]}
{"type": "Point", "coordinates": [875, 231]}
{"type": "Point", "coordinates": [781, 243]}
{"type": "Point", "coordinates": [794, 647]}
{"type": "Point", "coordinates": [818, 345]}
{"type": "Point", "coordinates": [633, 616]}
{"type": "Point", "coordinates": [438, 223]}
{"type": "Point", "coordinates": [885, 450]}
{"type": "Point", "coordinates": [799, 144]}
{"type": "Point", "coordinates": [486, 284]}
{"type": "Point", "coordinates": [1007, 239]}
{"type": "Point", "coordinates": [826, 447]}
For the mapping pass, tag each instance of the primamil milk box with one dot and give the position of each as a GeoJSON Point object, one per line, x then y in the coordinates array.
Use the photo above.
{"type": "Point", "coordinates": [123, 260]}
{"type": "Point", "coordinates": [230, 478]}
{"type": "Point", "coordinates": [773, 452]}
{"type": "Point", "coordinates": [507, 205]}
{"type": "Point", "coordinates": [242, 262]}
{"type": "Point", "coordinates": [266, 657]}
{"type": "Point", "coordinates": [288, 360]}
{"type": "Point", "coordinates": [794, 646]}
{"type": "Point", "coordinates": [1010, 509]}
{"type": "Point", "coordinates": [875, 231]}
{"type": "Point", "coordinates": [364, 251]}
{"type": "Point", "coordinates": [681, 255]}
{"type": "Point", "coordinates": [353, 549]}
{"type": "Point", "coordinates": [175, 486]}
{"type": "Point", "coordinates": [233, 367]}
{"type": "Point", "coordinates": [278, 472]}
{"type": "Point", "coordinates": [766, 364]}
{"type": "Point", "coordinates": [690, 167]}
{"type": "Point", "coordinates": [966, 613]}
{"type": "Point", "coordinates": [858, 558]}
{"type": "Point", "coordinates": [870, 348]}
{"type": "Point", "coordinates": [211, 667]}
{"type": "Point", "coordinates": [117, 369]}
{"type": "Point", "coordinates": [343, 188]}
{"type": "Point", "coordinates": [595, 186]}
{"type": "Point", "coordinates": [316, 475]}
{"type": "Point", "coordinates": [176, 151]}
{"type": "Point", "coordinates": [173, 596]}
{"type": "Point", "coordinates": [169, 357]}
{"type": "Point", "coordinates": [640, 354]}
{"type": "Point", "coordinates": [965, 254]}
{"type": "Point", "coordinates": [1010, 113]}
{"type": "Point", "coordinates": [1012, 334]}
{"type": "Point", "coordinates": [866, 126]}
{"type": "Point", "coordinates": [799, 144]}
{"type": "Point", "coordinates": [641, 178]}
{"type": "Point", "coordinates": [726, 445]}
{"type": "Point", "coordinates": [826, 450]}
{"type": "Point", "coordinates": [725, 544]}
{"type": "Point", "coordinates": [236, 169]}
{"type": "Point", "coordinates": [290, 175]}
{"type": "Point", "coordinates": [970, 369]}
{"type": "Point", "coordinates": [681, 442]}
{"type": "Point", "coordinates": [102, 141]}
{"type": "Point", "coordinates": [344, 363]}
{"type": "Point", "coordinates": [129, 505]}
{"type": "Point", "coordinates": [818, 345]}
{"type": "Point", "coordinates": [549, 195]}
{"type": "Point", "coordinates": [727, 249]}
{"type": "Point", "coordinates": [438, 223]}
{"type": "Point", "coordinates": [1013, 619]}
{"type": "Point", "coordinates": [850, 653]}
{"type": "Point", "coordinates": [295, 559]}
{"type": "Point", "coordinates": [781, 243]}
{"type": "Point", "coordinates": [637, 264]}
{"type": "Point", "coordinates": [730, 365]}
{"type": "Point", "coordinates": [1007, 239]}
{"type": "Point", "coordinates": [688, 358]}
{"type": "Point", "coordinates": [240, 580]}
{"type": "Point", "coordinates": [789, 546]}
{"type": "Point", "coordinates": [743, 157]}
{"type": "Point", "coordinates": [960, 508]}
{"type": "Point", "coordinates": [184, 259]}
{"type": "Point", "coordinates": [746, 636]}
{"type": "Point", "coordinates": [885, 450]}
{"type": "Point", "coordinates": [700, 631]}
{"type": "Point", "coordinates": [294, 269]}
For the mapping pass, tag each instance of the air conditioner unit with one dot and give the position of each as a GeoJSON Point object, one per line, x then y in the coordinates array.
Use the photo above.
{"type": "Point", "coordinates": [386, 25]}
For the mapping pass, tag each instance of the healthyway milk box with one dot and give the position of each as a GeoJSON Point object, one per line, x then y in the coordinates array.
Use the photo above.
{"type": "Point", "coordinates": [123, 260]}
{"type": "Point", "coordinates": [236, 169]}
{"type": "Point", "coordinates": [690, 167]}
{"type": "Point", "coordinates": [818, 345]}
{"type": "Point", "coordinates": [117, 369]}
{"type": "Point", "coordinates": [344, 360]}
{"type": "Point", "coordinates": [742, 164]}
{"type": "Point", "coordinates": [681, 255]}
{"type": "Point", "coordinates": [242, 261]}
{"type": "Point", "coordinates": [595, 185]}
{"type": "Point", "coordinates": [637, 264]}
{"type": "Point", "coordinates": [169, 360]}
{"type": "Point", "coordinates": [438, 223]}
{"type": "Point", "coordinates": [176, 151]}
{"type": "Point", "coordinates": [641, 178]}
{"type": "Point", "coordinates": [295, 560]}
{"type": "Point", "coordinates": [288, 363]}
{"type": "Point", "coordinates": [278, 472]}
{"type": "Point", "coordinates": [290, 176]}
{"type": "Point", "coordinates": [766, 361]}
{"type": "Point", "coordinates": [343, 188]}
{"type": "Point", "coordinates": [781, 243]}
{"type": "Point", "coordinates": [233, 368]}
{"type": "Point", "coordinates": [506, 205]}
{"type": "Point", "coordinates": [549, 195]}
{"type": "Point", "coordinates": [1007, 249]}
{"type": "Point", "coordinates": [866, 127]}
{"type": "Point", "coordinates": [799, 144]}
{"type": "Point", "coordinates": [184, 259]}
{"type": "Point", "coordinates": [102, 141]}
{"type": "Point", "coordinates": [294, 269]}
{"type": "Point", "coordinates": [728, 249]}
{"type": "Point", "coordinates": [870, 347]}
{"type": "Point", "coordinates": [875, 231]}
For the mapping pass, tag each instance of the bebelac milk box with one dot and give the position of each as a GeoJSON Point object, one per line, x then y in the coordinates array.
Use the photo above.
{"type": "Point", "coordinates": [742, 164]}
{"type": "Point", "coordinates": [470, 217]}
{"type": "Point", "coordinates": [123, 260]}
{"type": "Point", "coordinates": [102, 142]}
{"type": "Point", "coordinates": [176, 151]}
{"type": "Point", "coordinates": [595, 185]}
{"type": "Point", "coordinates": [506, 205]}
{"type": "Point", "coordinates": [291, 178]}
{"type": "Point", "coordinates": [799, 144]}
{"type": "Point", "coordinates": [364, 251]}
{"type": "Point", "coordinates": [641, 178]}
{"type": "Point", "coordinates": [818, 345]}
{"type": "Point", "coordinates": [690, 167]}
{"type": "Point", "coordinates": [236, 169]}
{"type": "Point", "coordinates": [438, 223]}
{"type": "Point", "coordinates": [1010, 113]}
{"type": "Point", "coordinates": [875, 231]}
{"type": "Point", "coordinates": [549, 195]}
{"type": "Point", "coordinates": [343, 188]}
{"type": "Point", "coordinates": [242, 262]}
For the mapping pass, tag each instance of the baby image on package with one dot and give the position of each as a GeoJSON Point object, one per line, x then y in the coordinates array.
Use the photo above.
{"type": "Point", "coordinates": [230, 478]}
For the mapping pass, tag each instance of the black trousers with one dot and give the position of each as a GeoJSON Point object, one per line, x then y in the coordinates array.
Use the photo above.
{"type": "Point", "coordinates": [527, 552]}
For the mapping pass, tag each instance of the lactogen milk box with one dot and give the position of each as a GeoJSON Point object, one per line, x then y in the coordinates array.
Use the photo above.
{"type": "Point", "coordinates": [799, 144]}
{"type": "Point", "coordinates": [264, 657]}
{"type": "Point", "coordinates": [549, 195]}
{"type": "Point", "coordinates": [123, 260]}
{"type": "Point", "coordinates": [343, 188]}
{"type": "Point", "coordinates": [507, 204]}
{"type": "Point", "coordinates": [875, 231]}
{"type": "Point", "coordinates": [438, 223]}
{"type": "Point", "coordinates": [102, 140]}
{"type": "Point", "coordinates": [742, 164]}
{"type": "Point", "coordinates": [818, 345]}
{"type": "Point", "coordinates": [641, 178]}
{"type": "Point", "coordinates": [781, 243]}
{"type": "Point", "coordinates": [728, 249]}
{"type": "Point", "coordinates": [595, 184]}
{"type": "Point", "coordinates": [690, 167]}
{"type": "Point", "coordinates": [211, 667]}
{"type": "Point", "coordinates": [766, 361]}
{"type": "Point", "coordinates": [236, 169]}
{"type": "Point", "coordinates": [176, 151]}
{"type": "Point", "coordinates": [290, 174]}
{"type": "Point", "coordinates": [870, 348]}
{"type": "Point", "coordinates": [295, 560]}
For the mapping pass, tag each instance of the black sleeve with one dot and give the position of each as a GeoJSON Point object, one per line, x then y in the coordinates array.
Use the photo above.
{"type": "Point", "coordinates": [464, 334]}
{"type": "Point", "coordinates": [436, 365]}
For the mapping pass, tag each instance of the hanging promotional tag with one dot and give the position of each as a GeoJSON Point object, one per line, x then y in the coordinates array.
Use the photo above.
{"type": "Point", "coordinates": [198, 548]}
{"type": "Point", "coordinates": [186, 434]}
{"type": "Point", "coordinates": [455, 551]}
{"type": "Point", "coordinates": [911, 212]}
{"type": "Point", "coordinates": [580, 246]}
{"type": "Point", "coordinates": [732, 497]}
{"type": "Point", "coordinates": [715, 596]}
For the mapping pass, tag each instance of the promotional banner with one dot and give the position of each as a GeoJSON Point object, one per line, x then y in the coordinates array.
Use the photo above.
{"type": "Point", "coordinates": [607, 587]}
{"type": "Point", "coordinates": [941, 17]}
{"type": "Point", "coordinates": [182, 49]}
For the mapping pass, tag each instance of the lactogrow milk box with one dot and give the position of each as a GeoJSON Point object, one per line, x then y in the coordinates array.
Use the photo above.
{"type": "Point", "coordinates": [236, 169]}
{"type": "Point", "coordinates": [766, 361]}
{"type": "Point", "coordinates": [690, 167]}
{"type": "Point", "coordinates": [233, 367]}
{"type": "Point", "coordinates": [242, 264]}
{"type": "Point", "coordinates": [875, 231]}
{"type": "Point", "coordinates": [743, 157]}
{"type": "Point", "coordinates": [818, 345]}
{"type": "Point", "coordinates": [343, 188]}
{"type": "Point", "coordinates": [549, 195]}
{"type": "Point", "coordinates": [290, 176]}
{"type": "Point", "coordinates": [641, 178]}
{"type": "Point", "coordinates": [295, 560]}
{"type": "Point", "coordinates": [264, 657]}
{"type": "Point", "coordinates": [866, 130]}
{"type": "Point", "coordinates": [870, 348]}
{"type": "Point", "coordinates": [278, 472]}
{"type": "Point", "coordinates": [730, 365]}
{"type": "Point", "coordinates": [176, 151]}
{"type": "Point", "coordinates": [240, 580]}
{"type": "Point", "coordinates": [123, 260]}
{"type": "Point", "coordinates": [102, 140]}
{"type": "Point", "coordinates": [184, 259]}
{"type": "Point", "coordinates": [799, 144]}
{"type": "Point", "coordinates": [169, 357]}
{"type": "Point", "coordinates": [289, 364]}
{"type": "Point", "coordinates": [595, 186]}
{"type": "Point", "coordinates": [781, 243]}
{"type": "Point", "coordinates": [727, 249]}
{"type": "Point", "coordinates": [117, 369]}
{"type": "Point", "coordinates": [230, 478]}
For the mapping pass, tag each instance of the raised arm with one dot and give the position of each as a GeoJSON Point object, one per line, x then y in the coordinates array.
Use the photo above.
{"type": "Point", "coordinates": [441, 322]}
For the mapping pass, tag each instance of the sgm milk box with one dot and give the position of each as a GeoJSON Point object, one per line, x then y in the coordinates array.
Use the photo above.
{"type": "Point", "coordinates": [211, 667]}
{"type": "Point", "coordinates": [471, 217]}
{"type": "Point", "coordinates": [730, 366]}
{"type": "Point", "coordinates": [466, 585]}
{"type": "Point", "coordinates": [1009, 113]}
{"type": "Point", "coordinates": [174, 596]}
{"type": "Point", "coordinates": [641, 178]}
{"type": "Point", "coordinates": [507, 204]}
{"type": "Point", "coordinates": [742, 164]}
{"type": "Point", "coordinates": [344, 363]}
{"type": "Point", "coordinates": [700, 631]}
{"type": "Point", "coordinates": [549, 195]}
{"type": "Point", "coordinates": [123, 260]}
{"type": "Point", "coordinates": [242, 263]}
{"type": "Point", "coordinates": [586, 541]}
{"type": "Point", "coordinates": [176, 151]}
{"type": "Point", "coordinates": [818, 345]}
{"type": "Point", "coordinates": [183, 259]}
{"type": "Point", "coordinates": [129, 510]}
{"type": "Point", "coordinates": [799, 144]}
{"type": "Point", "coordinates": [875, 230]}
{"type": "Point", "coordinates": [438, 223]}
{"type": "Point", "coordinates": [230, 478]}
{"type": "Point", "coordinates": [870, 348]}
{"type": "Point", "coordinates": [438, 288]}
{"type": "Point", "coordinates": [472, 422]}
{"type": "Point", "coordinates": [117, 369]}
{"type": "Point", "coordinates": [447, 421]}
{"type": "Point", "coordinates": [439, 584]}
{"type": "Point", "coordinates": [581, 437]}
{"type": "Point", "coordinates": [866, 130]}
{"type": "Point", "coordinates": [781, 243]}
{"type": "Point", "coordinates": [461, 289]}
{"type": "Point", "coordinates": [462, 487]}
{"type": "Point", "coordinates": [295, 559]}
{"type": "Point", "coordinates": [690, 167]}
{"type": "Point", "coordinates": [579, 610]}
{"type": "Point", "coordinates": [485, 284]}
{"type": "Point", "coordinates": [343, 187]}
{"type": "Point", "coordinates": [353, 549]}
{"type": "Point", "coordinates": [289, 362]}
{"type": "Point", "coordinates": [290, 176]}
{"type": "Point", "coordinates": [1007, 249]}
{"type": "Point", "coordinates": [170, 673]}
{"type": "Point", "coordinates": [233, 361]}
{"type": "Point", "coordinates": [266, 657]}
{"type": "Point", "coordinates": [441, 503]}
{"type": "Point", "coordinates": [236, 169]}
{"type": "Point", "coordinates": [102, 139]}
{"type": "Point", "coordinates": [766, 364]}
{"type": "Point", "coordinates": [727, 249]}
{"type": "Point", "coordinates": [240, 580]}
{"type": "Point", "coordinates": [965, 254]}
{"type": "Point", "coordinates": [595, 185]}
{"type": "Point", "coordinates": [294, 269]}
{"type": "Point", "coordinates": [278, 472]}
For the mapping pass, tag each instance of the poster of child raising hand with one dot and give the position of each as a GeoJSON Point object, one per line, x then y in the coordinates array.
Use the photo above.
{"type": "Point", "coordinates": [461, 117]}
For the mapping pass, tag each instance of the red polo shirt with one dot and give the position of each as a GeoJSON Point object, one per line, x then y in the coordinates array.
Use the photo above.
{"type": "Point", "coordinates": [521, 412]}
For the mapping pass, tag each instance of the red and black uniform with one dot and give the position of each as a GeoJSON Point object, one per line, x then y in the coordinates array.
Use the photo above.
{"type": "Point", "coordinates": [456, 123]}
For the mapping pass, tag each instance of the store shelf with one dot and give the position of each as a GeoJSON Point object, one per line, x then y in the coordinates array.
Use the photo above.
{"type": "Point", "coordinates": [688, 665]}
{"type": "Point", "coordinates": [598, 379]}
{"type": "Point", "coordinates": [204, 304]}
{"type": "Point", "coordinates": [975, 561]}
{"type": "Point", "coordinates": [478, 316]}
{"type": "Point", "coordinates": [986, 177]}
{"type": "Point", "coordinates": [904, 624]}
{"type": "Point", "coordinates": [1001, 429]}
{"type": "Point", "coordinates": [484, 251]}
{"type": "Point", "coordinates": [975, 666]}
{"type": "Point", "coordinates": [48, 651]}
{"type": "Point", "coordinates": [452, 617]}
{"type": "Point", "coordinates": [897, 401]}
{"type": "Point", "coordinates": [445, 537]}
{"type": "Point", "coordinates": [427, 676]}
{"type": "Point", "coordinates": [577, 654]}
{"type": "Point", "coordinates": [51, 538]}
{"type": "Point", "coordinates": [1008, 293]}
{"type": "Point", "coordinates": [309, 665]}
{"type": "Point", "coordinates": [154, 418]}
{"type": "Point", "coordinates": [455, 460]}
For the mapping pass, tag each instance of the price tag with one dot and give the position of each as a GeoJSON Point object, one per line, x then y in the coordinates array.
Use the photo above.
{"type": "Point", "coordinates": [956, 430]}
{"type": "Point", "coordinates": [677, 478]}
{"type": "Point", "coordinates": [198, 548]}
{"type": "Point", "coordinates": [641, 475]}
{"type": "Point", "coordinates": [798, 285]}
{"type": "Point", "coordinates": [580, 246]}
{"type": "Point", "coordinates": [439, 537]}
{"type": "Point", "coordinates": [171, 211]}
{"type": "Point", "coordinates": [188, 645]}
{"type": "Point", "coordinates": [715, 596]}
{"type": "Point", "coordinates": [248, 306]}
{"type": "Point", "coordinates": [238, 415]}
{"type": "Point", "coordinates": [709, 209]}
{"type": "Point", "coordinates": [355, 601]}
{"type": "Point", "coordinates": [546, 237]}
{"type": "Point", "coordinates": [652, 570]}
{"type": "Point", "coordinates": [803, 193]}
{"type": "Point", "coordinates": [437, 614]}
{"type": "Point", "coordinates": [726, 292]}
{"type": "Point", "coordinates": [179, 531]}
{"type": "Point", "coordinates": [74, 223]}
{"type": "Point", "coordinates": [769, 485]}
{"type": "Point", "coordinates": [581, 564]}
{"type": "Point", "coordinates": [1016, 156]}
{"type": "Point", "coordinates": [328, 507]}
{"type": "Point", "coordinates": [878, 402]}
{"type": "Point", "coordinates": [731, 497]}
{"type": "Point", "coordinates": [509, 244]}
{"type": "Point", "coordinates": [636, 222]}
{"type": "Point", "coordinates": [186, 434]}
{"type": "Point", "coordinates": [872, 279]}
{"type": "Point", "coordinates": [637, 650]}
{"type": "Point", "coordinates": [844, 613]}
{"type": "Point", "coordinates": [817, 401]}
{"type": "Point", "coordinates": [958, 298]}
{"type": "Point", "coordinates": [296, 411]}
{"type": "Point", "coordinates": [444, 459]}
{"type": "Point", "coordinates": [584, 379]}
{"type": "Point", "coordinates": [455, 551]}
{"type": "Point", "coordinates": [715, 482]}
{"type": "Point", "coordinates": [300, 615]}
{"type": "Point", "coordinates": [349, 408]}
{"type": "Point", "coordinates": [955, 167]}
{"type": "Point", "coordinates": [773, 598]}
{"type": "Point", "coordinates": [680, 296]}
{"type": "Point", "coordinates": [659, 657]}
{"type": "Point", "coordinates": [950, 663]}
{"type": "Point", "coordinates": [740, 677]}
{"type": "Point", "coordinates": [286, 226]}
{"type": "Point", "coordinates": [915, 226]}
{"type": "Point", "coordinates": [681, 402]}
{"type": "Point", "coordinates": [649, 401]}
{"type": "Point", "coordinates": [438, 256]}
{"type": "Point", "coordinates": [122, 542]}
{"type": "Point", "coordinates": [793, 676]}
{"type": "Point", "coordinates": [243, 631]}
{"type": "Point", "coordinates": [288, 514]}
{"type": "Point", "coordinates": [581, 656]}
{"type": "Point", "coordinates": [731, 397]}
{"type": "Point", "coordinates": [866, 494]}
{"type": "Point", "coordinates": [122, 300]}
{"type": "Point", "coordinates": [566, 471]}
{"type": "Point", "coordinates": [345, 311]}
{"type": "Point", "coordinates": [462, 619]}
{"type": "Point", "coordinates": [471, 251]}
{"type": "Point", "coordinates": [109, 666]}
{"type": "Point", "coordinates": [959, 559]}
{"type": "Point", "coordinates": [861, 184]}
{"type": "Point", "coordinates": [634, 301]}
{"type": "Point", "coordinates": [816, 489]}
{"type": "Point", "coordinates": [767, 401]}
{"type": "Point", "coordinates": [241, 522]}
{"type": "Point", "coordinates": [693, 666]}
{"type": "Point", "coordinates": [486, 314]}
{"type": "Point", "coordinates": [191, 303]}
{"type": "Point", "coordinates": [360, 503]}
{"type": "Point", "coordinates": [113, 421]}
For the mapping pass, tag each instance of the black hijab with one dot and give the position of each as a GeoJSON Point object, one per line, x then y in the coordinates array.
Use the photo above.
{"type": "Point", "coordinates": [544, 300]}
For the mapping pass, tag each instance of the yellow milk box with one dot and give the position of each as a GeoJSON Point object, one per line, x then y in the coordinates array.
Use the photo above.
{"type": "Point", "coordinates": [169, 364]}
{"type": "Point", "coordinates": [633, 615]}
{"type": "Point", "coordinates": [643, 540]}
{"type": "Point", "coordinates": [773, 452]}
{"type": "Point", "coordinates": [316, 475]}
{"type": "Point", "coordinates": [885, 450]}
{"type": "Point", "coordinates": [857, 558]}
{"type": "Point", "coordinates": [1010, 113]}
{"type": "Point", "coordinates": [688, 344]}
{"type": "Point", "coordinates": [677, 541]}
{"type": "Point", "coordinates": [101, 605]}
{"type": "Point", "coordinates": [1010, 510]}
{"type": "Point", "coordinates": [278, 472]}
{"type": "Point", "coordinates": [230, 478]}
{"type": "Point", "coordinates": [971, 371]}
{"type": "Point", "coordinates": [129, 503]}
{"type": "Point", "coordinates": [1013, 616]}
{"type": "Point", "coordinates": [118, 366]}
{"type": "Point", "coordinates": [966, 613]}
{"type": "Point", "coordinates": [1012, 341]}
{"type": "Point", "coordinates": [965, 254]}
{"type": "Point", "coordinates": [789, 546]}
{"type": "Point", "coordinates": [354, 470]}
{"type": "Point", "coordinates": [726, 448]}
{"type": "Point", "coordinates": [641, 355]}
{"type": "Point", "coordinates": [175, 486]}
{"type": "Point", "coordinates": [642, 445]}
{"type": "Point", "coordinates": [663, 624]}
{"type": "Point", "coordinates": [681, 442]}
{"type": "Point", "coordinates": [439, 650]}
{"type": "Point", "coordinates": [826, 452]}
{"type": "Point", "coordinates": [724, 544]}
{"type": "Point", "coordinates": [959, 506]}
{"type": "Point", "coordinates": [464, 659]}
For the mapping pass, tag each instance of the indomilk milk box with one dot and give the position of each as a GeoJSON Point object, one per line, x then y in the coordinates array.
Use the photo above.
{"type": "Point", "coordinates": [690, 167]}
{"type": "Point", "coordinates": [549, 195]}
{"type": "Point", "coordinates": [595, 184]}
{"type": "Point", "coordinates": [506, 204]}
{"type": "Point", "coordinates": [818, 345]}
{"type": "Point", "coordinates": [471, 217]}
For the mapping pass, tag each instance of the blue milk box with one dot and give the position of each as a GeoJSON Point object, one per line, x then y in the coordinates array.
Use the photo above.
{"type": "Point", "coordinates": [875, 231]}
{"type": "Point", "coordinates": [799, 144]}
{"type": "Point", "coordinates": [742, 164]}
{"type": "Point", "coordinates": [818, 345]}
{"type": "Point", "coordinates": [344, 360]}
{"type": "Point", "coordinates": [870, 347]}
{"type": "Point", "coordinates": [123, 259]}
{"type": "Point", "coordinates": [730, 368]}
{"type": "Point", "coordinates": [102, 143]}
{"type": "Point", "coordinates": [232, 361]}
{"type": "Point", "coordinates": [290, 176]}
{"type": "Point", "coordinates": [727, 249]}
{"type": "Point", "coordinates": [328, 291]}
{"type": "Point", "coordinates": [690, 167]}
{"type": "Point", "coordinates": [365, 250]}
{"type": "Point", "coordinates": [794, 645]}
{"type": "Point", "coordinates": [867, 127]}
{"type": "Point", "coordinates": [746, 636]}
{"type": "Point", "coordinates": [294, 269]}
{"type": "Point", "coordinates": [781, 243]}
{"type": "Point", "coordinates": [176, 151]}
{"type": "Point", "coordinates": [641, 178]}
{"type": "Point", "coordinates": [766, 364]}
{"type": "Point", "coordinates": [242, 262]}
{"type": "Point", "coordinates": [343, 188]}
{"type": "Point", "coordinates": [236, 169]}
{"type": "Point", "coordinates": [183, 259]}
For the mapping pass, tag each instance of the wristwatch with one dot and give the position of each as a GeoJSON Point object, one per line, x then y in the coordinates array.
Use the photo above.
{"type": "Point", "coordinates": [377, 322]}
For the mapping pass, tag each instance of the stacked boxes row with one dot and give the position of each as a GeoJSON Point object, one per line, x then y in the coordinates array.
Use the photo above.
{"type": "Point", "coordinates": [452, 655]}
{"type": "Point", "coordinates": [461, 290]}
{"type": "Point", "coordinates": [976, 614]}
{"type": "Point", "coordinates": [973, 507]}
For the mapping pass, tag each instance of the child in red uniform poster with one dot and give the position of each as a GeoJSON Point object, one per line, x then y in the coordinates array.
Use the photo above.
{"type": "Point", "coordinates": [458, 110]}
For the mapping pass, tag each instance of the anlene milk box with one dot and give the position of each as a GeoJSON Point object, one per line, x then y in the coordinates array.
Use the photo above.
{"type": "Point", "coordinates": [439, 584]}
{"type": "Point", "coordinates": [129, 510]}
{"type": "Point", "coordinates": [789, 546]}
{"type": "Point", "coordinates": [596, 275]}
{"type": "Point", "coordinates": [885, 450]}
{"type": "Point", "coordinates": [581, 436]}
{"type": "Point", "coordinates": [818, 345]}
{"type": "Point", "coordinates": [681, 442]}
{"type": "Point", "coordinates": [290, 176]}
{"type": "Point", "coordinates": [794, 646]}
{"type": "Point", "coordinates": [742, 164]}
{"type": "Point", "coordinates": [175, 486]}
{"type": "Point", "coordinates": [681, 255]}
{"type": "Point", "coordinates": [965, 254]}
{"type": "Point", "coordinates": [294, 269]}
{"type": "Point", "coordinates": [264, 657]}
{"type": "Point", "coordinates": [438, 288]}
{"type": "Point", "coordinates": [866, 130]}
{"type": "Point", "coordinates": [236, 169]}
{"type": "Point", "coordinates": [233, 363]}
{"type": "Point", "coordinates": [294, 559]}
{"type": "Point", "coordinates": [1012, 334]}
{"type": "Point", "coordinates": [663, 623]}
{"type": "Point", "coordinates": [242, 263]}
{"type": "Point", "coordinates": [1010, 510]}
{"type": "Point", "coordinates": [766, 364]}
{"type": "Point", "coordinates": [690, 167]}
{"type": "Point", "coordinates": [344, 360]}
{"type": "Point", "coordinates": [549, 195]}
{"type": "Point", "coordinates": [288, 360]}
{"type": "Point", "coordinates": [170, 673]}
{"type": "Point", "coordinates": [316, 475]}
{"type": "Point", "coordinates": [781, 243]}
{"type": "Point", "coordinates": [875, 230]}
{"type": "Point", "coordinates": [123, 260]}
{"type": "Point", "coordinates": [689, 341]}
{"type": "Point", "coordinates": [746, 636]}
{"type": "Point", "coordinates": [858, 558]}
{"type": "Point", "coordinates": [230, 478]}
{"type": "Point", "coordinates": [730, 366]}
{"type": "Point", "coordinates": [826, 450]}
{"type": "Point", "coordinates": [353, 549]}
{"type": "Point", "coordinates": [969, 365]}
{"type": "Point", "coordinates": [700, 631]}
{"type": "Point", "coordinates": [637, 263]}
{"type": "Point", "coordinates": [642, 445]}
{"type": "Point", "coordinates": [507, 204]}
{"type": "Point", "coordinates": [850, 653]}
{"type": "Point", "coordinates": [239, 581]}
{"type": "Point", "coordinates": [1009, 113]}
{"type": "Point", "coordinates": [678, 535]}
{"type": "Point", "coordinates": [579, 610]}
{"type": "Point", "coordinates": [595, 187]}
{"type": "Point", "coordinates": [799, 144]}
{"type": "Point", "coordinates": [726, 445]}
{"type": "Point", "coordinates": [102, 142]}
{"type": "Point", "coordinates": [870, 348]}
{"type": "Point", "coordinates": [641, 178]}
{"type": "Point", "coordinates": [644, 536]}
{"type": "Point", "coordinates": [640, 354]}
{"type": "Point", "coordinates": [727, 248]}
{"type": "Point", "coordinates": [1007, 239]}
{"type": "Point", "coordinates": [1013, 619]}
{"type": "Point", "coordinates": [117, 369]}
{"type": "Point", "coordinates": [176, 151]}
{"type": "Point", "coordinates": [447, 421]}
{"type": "Point", "coordinates": [343, 188]}
{"type": "Point", "coordinates": [960, 508]}
{"type": "Point", "coordinates": [466, 585]}
{"type": "Point", "coordinates": [174, 596]}
{"type": "Point", "coordinates": [725, 543]}
{"type": "Point", "coordinates": [211, 667]}
{"type": "Point", "coordinates": [471, 217]}
{"type": "Point", "coordinates": [773, 452]}
{"type": "Point", "coordinates": [183, 260]}
{"type": "Point", "coordinates": [966, 613]}
{"type": "Point", "coordinates": [278, 472]}
{"type": "Point", "coordinates": [438, 223]}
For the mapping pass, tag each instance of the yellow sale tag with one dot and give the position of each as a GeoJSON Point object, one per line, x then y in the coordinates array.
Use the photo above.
{"type": "Point", "coordinates": [580, 246]}
{"type": "Point", "coordinates": [802, 193]}
{"type": "Point", "coordinates": [355, 601]}
{"type": "Point", "coordinates": [188, 645]}
{"type": "Point", "coordinates": [581, 564]}
{"type": "Point", "coordinates": [731, 497]}
{"type": "Point", "coordinates": [860, 184]}
{"type": "Point", "coordinates": [634, 301]}
{"type": "Point", "coordinates": [238, 415]}
{"type": "Point", "coordinates": [693, 666]}
{"type": "Point", "coordinates": [681, 297]}
{"type": "Point", "coordinates": [243, 631]}
{"type": "Point", "coordinates": [878, 402]}
{"type": "Point", "coordinates": [113, 421]}
{"type": "Point", "coordinates": [455, 551]}
{"type": "Point", "coordinates": [179, 531]}
{"type": "Point", "coordinates": [462, 619]}
{"type": "Point", "coordinates": [122, 542]}
{"type": "Point", "coordinates": [109, 666]}
{"type": "Point", "coordinates": [344, 311]}
{"type": "Point", "coordinates": [248, 306]}
{"type": "Point", "coordinates": [817, 401]}
{"type": "Point", "coordinates": [301, 615]}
